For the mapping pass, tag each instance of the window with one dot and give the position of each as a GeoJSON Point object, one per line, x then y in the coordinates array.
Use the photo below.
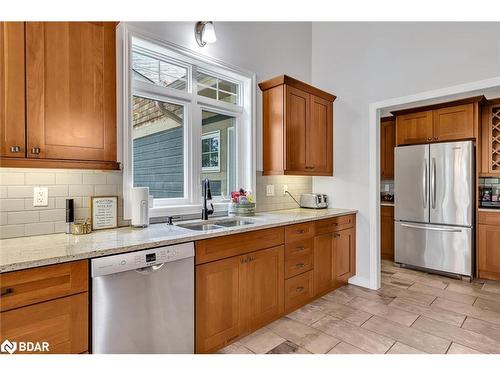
{"type": "Point", "coordinates": [210, 152]}
{"type": "Point", "coordinates": [189, 117]}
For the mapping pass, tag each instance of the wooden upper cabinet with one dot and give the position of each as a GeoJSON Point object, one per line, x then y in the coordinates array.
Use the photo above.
{"type": "Point", "coordinates": [297, 124]}
{"type": "Point", "coordinates": [414, 128]}
{"type": "Point", "coordinates": [12, 85]}
{"type": "Point", "coordinates": [297, 128]}
{"type": "Point", "coordinates": [452, 123]}
{"type": "Point", "coordinates": [387, 144]}
{"type": "Point", "coordinates": [71, 90]}
{"type": "Point", "coordinates": [490, 139]}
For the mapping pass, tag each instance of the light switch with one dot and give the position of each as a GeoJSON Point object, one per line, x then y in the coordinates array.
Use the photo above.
{"type": "Point", "coordinates": [270, 190]}
{"type": "Point", "coordinates": [40, 196]}
{"type": "Point", "coordinates": [285, 189]}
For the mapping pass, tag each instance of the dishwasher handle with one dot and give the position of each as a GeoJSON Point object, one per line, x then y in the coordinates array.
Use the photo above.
{"type": "Point", "coordinates": [150, 269]}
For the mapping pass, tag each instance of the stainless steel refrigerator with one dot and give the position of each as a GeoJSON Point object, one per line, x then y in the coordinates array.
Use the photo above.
{"type": "Point", "coordinates": [434, 200]}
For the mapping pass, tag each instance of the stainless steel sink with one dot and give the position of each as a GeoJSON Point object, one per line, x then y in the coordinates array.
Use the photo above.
{"type": "Point", "coordinates": [234, 223]}
{"type": "Point", "coordinates": [200, 226]}
{"type": "Point", "coordinates": [216, 224]}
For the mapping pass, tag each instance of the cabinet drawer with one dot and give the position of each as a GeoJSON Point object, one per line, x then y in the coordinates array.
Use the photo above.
{"type": "Point", "coordinates": [297, 265]}
{"type": "Point", "coordinates": [298, 290]}
{"type": "Point", "coordinates": [489, 218]}
{"type": "Point", "coordinates": [224, 247]}
{"type": "Point", "coordinates": [298, 232]}
{"type": "Point", "coordinates": [334, 224]}
{"type": "Point", "coordinates": [26, 287]}
{"type": "Point", "coordinates": [299, 248]}
{"type": "Point", "coordinates": [63, 323]}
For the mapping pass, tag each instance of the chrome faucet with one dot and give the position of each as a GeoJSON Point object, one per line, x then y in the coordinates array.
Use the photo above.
{"type": "Point", "coordinates": [207, 195]}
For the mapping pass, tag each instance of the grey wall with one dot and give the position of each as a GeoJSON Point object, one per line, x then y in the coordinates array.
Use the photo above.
{"type": "Point", "coordinates": [366, 62]}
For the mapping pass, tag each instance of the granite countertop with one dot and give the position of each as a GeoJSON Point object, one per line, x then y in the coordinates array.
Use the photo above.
{"type": "Point", "coordinates": [28, 252]}
{"type": "Point", "coordinates": [487, 209]}
{"type": "Point", "coordinates": [391, 204]}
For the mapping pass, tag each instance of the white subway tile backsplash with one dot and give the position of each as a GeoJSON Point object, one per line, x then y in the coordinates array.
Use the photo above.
{"type": "Point", "coordinates": [77, 201]}
{"type": "Point", "coordinates": [68, 178]}
{"type": "Point", "coordinates": [94, 178]}
{"type": "Point", "coordinates": [58, 191]}
{"type": "Point", "coordinates": [60, 227]}
{"type": "Point", "coordinates": [53, 215]}
{"type": "Point", "coordinates": [3, 191]}
{"type": "Point", "coordinates": [15, 204]}
{"type": "Point", "coordinates": [81, 190]}
{"type": "Point", "coordinates": [82, 213]}
{"type": "Point", "coordinates": [20, 191]}
{"type": "Point", "coordinates": [11, 178]}
{"type": "Point", "coordinates": [105, 190]}
{"type": "Point", "coordinates": [114, 179]}
{"type": "Point", "coordinates": [11, 231]}
{"type": "Point", "coordinates": [38, 229]}
{"type": "Point", "coordinates": [40, 178]}
{"type": "Point", "coordinates": [23, 217]}
{"type": "Point", "coordinates": [3, 218]}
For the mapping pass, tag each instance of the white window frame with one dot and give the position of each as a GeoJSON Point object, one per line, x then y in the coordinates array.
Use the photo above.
{"type": "Point", "coordinates": [244, 112]}
{"type": "Point", "coordinates": [211, 135]}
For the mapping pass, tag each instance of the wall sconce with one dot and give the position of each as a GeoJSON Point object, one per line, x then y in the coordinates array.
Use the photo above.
{"type": "Point", "coordinates": [204, 32]}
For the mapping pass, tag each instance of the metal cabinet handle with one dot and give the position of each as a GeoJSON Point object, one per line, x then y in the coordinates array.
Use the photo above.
{"type": "Point", "coordinates": [336, 235]}
{"type": "Point", "coordinates": [300, 248]}
{"type": "Point", "coordinates": [300, 289]}
{"type": "Point", "coordinates": [309, 167]}
{"type": "Point", "coordinates": [15, 149]}
{"type": "Point", "coordinates": [35, 150]}
{"type": "Point", "coordinates": [300, 231]}
{"type": "Point", "coordinates": [6, 292]}
{"type": "Point", "coordinates": [300, 265]}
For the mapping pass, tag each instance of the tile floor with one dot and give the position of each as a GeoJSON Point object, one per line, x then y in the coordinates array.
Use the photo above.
{"type": "Point", "coordinates": [413, 312]}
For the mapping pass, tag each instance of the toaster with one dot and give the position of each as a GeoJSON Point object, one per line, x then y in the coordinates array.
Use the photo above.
{"type": "Point", "coordinates": [314, 200]}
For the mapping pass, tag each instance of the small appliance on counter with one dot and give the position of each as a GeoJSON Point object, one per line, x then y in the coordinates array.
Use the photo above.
{"type": "Point", "coordinates": [140, 207]}
{"type": "Point", "coordinates": [489, 197]}
{"type": "Point", "coordinates": [314, 200]}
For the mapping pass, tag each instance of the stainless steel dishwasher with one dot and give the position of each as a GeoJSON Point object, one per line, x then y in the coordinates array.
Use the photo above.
{"type": "Point", "coordinates": [143, 302]}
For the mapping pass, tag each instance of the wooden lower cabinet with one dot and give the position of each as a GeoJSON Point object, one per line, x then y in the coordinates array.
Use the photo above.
{"type": "Point", "coordinates": [62, 323]}
{"type": "Point", "coordinates": [323, 264]}
{"type": "Point", "coordinates": [46, 304]}
{"type": "Point", "coordinates": [489, 251]}
{"type": "Point", "coordinates": [344, 255]}
{"type": "Point", "coordinates": [237, 295]}
{"type": "Point", "coordinates": [219, 302]}
{"type": "Point", "coordinates": [387, 232]}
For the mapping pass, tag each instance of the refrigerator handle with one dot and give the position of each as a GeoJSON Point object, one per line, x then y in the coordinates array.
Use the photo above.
{"type": "Point", "coordinates": [433, 183]}
{"type": "Point", "coordinates": [425, 184]}
{"type": "Point", "coordinates": [438, 229]}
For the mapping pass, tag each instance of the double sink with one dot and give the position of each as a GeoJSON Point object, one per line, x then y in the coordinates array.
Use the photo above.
{"type": "Point", "coordinates": [216, 224]}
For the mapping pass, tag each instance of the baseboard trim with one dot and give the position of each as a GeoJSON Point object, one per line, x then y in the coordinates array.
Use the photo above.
{"type": "Point", "coordinates": [360, 281]}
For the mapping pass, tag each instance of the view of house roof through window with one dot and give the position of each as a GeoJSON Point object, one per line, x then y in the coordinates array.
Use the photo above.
{"type": "Point", "coordinates": [153, 70]}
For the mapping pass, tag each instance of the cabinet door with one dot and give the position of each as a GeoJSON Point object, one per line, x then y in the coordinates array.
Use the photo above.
{"type": "Point", "coordinates": [297, 121]}
{"type": "Point", "coordinates": [12, 111]}
{"type": "Point", "coordinates": [387, 232]}
{"type": "Point", "coordinates": [264, 286]}
{"type": "Point", "coordinates": [454, 123]}
{"type": "Point", "coordinates": [62, 322]}
{"type": "Point", "coordinates": [319, 137]}
{"type": "Point", "coordinates": [71, 90]}
{"type": "Point", "coordinates": [489, 251]}
{"type": "Point", "coordinates": [344, 255]}
{"type": "Point", "coordinates": [387, 144]}
{"type": "Point", "coordinates": [218, 303]}
{"type": "Point", "coordinates": [414, 128]}
{"type": "Point", "coordinates": [323, 264]}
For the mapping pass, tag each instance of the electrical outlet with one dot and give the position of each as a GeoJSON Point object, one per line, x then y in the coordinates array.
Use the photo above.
{"type": "Point", "coordinates": [285, 189]}
{"type": "Point", "coordinates": [269, 190]}
{"type": "Point", "coordinates": [40, 196]}
{"type": "Point", "coordinates": [387, 188]}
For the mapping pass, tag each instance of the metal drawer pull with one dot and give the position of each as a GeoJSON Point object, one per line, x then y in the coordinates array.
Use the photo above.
{"type": "Point", "coordinates": [300, 248]}
{"type": "Point", "coordinates": [336, 235]}
{"type": "Point", "coordinates": [300, 265]}
{"type": "Point", "coordinates": [300, 231]}
{"type": "Point", "coordinates": [6, 291]}
{"type": "Point", "coordinates": [15, 149]}
{"type": "Point", "coordinates": [452, 230]}
{"type": "Point", "coordinates": [309, 167]}
{"type": "Point", "coordinates": [35, 150]}
{"type": "Point", "coordinates": [300, 289]}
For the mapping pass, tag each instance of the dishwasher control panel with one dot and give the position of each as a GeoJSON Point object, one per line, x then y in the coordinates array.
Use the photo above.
{"type": "Point", "coordinates": [141, 259]}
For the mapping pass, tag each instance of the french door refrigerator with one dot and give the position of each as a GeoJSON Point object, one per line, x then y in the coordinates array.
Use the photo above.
{"type": "Point", "coordinates": [434, 200]}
